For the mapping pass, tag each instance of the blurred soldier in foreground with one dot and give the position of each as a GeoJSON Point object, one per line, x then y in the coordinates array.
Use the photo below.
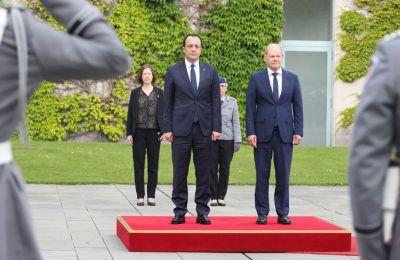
{"type": "Point", "coordinates": [32, 51]}
{"type": "Point", "coordinates": [376, 133]}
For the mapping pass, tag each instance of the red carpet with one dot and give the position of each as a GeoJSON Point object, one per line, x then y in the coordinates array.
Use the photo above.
{"type": "Point", "coordinates": [232, 234]}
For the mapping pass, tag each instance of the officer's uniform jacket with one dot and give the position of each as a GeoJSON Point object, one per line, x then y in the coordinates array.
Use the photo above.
{"type": "Point", "coordinates": [89, 49]}
{"type": "Point", "coordinates": [376, 132]}
{"type": "Point", "coordinates": [230, 120]}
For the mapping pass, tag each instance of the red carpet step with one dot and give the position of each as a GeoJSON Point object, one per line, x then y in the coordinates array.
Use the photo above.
{"type": "Point", "coordinates": [231, 234]}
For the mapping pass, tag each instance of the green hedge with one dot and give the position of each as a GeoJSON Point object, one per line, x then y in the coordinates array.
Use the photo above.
{"type": "Point", "coordinates": [152, 32]}
{"type": "Point", "coordinates": [363, 28]}
{"type": "Point", "coordinates": [235, 43]}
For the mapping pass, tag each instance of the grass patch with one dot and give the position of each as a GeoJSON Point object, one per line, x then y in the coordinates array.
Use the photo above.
{"type": "Point", "coordinates": [111, 163]}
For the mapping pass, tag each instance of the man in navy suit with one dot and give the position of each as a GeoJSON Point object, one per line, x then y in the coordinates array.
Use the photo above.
{"type": "Point", "coordinates": [192, 119]}
{"type": "Point", "coordinates": [274, 123]}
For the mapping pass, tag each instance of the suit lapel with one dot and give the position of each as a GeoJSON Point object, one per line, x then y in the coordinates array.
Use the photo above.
{"type": "Point", "coordinates": [268, 88]}
{"type": "Point", "coordinates": [203, 72]}
{"type": "Point", "coordinates": [285, 85]}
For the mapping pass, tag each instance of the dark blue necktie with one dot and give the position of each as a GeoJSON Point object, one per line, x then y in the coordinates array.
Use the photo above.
{"type": "Point", "coordinates": [193, 80]}
{"type": "Point", "coordinates": [275, 91]}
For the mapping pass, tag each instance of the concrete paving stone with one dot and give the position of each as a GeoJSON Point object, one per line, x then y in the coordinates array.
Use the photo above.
{"type": "Point", "coordinates": [59, 255]}
{"type": "Point", "coordinates": [81, 225]}
{"type": "Point", "coordinates": [53, 234]}
{"type": "Point", "coordinates": [106, 203]}
{"type": "Point", "coordinates": [213, 256]}
{"type": "Point", "coordinates": [84, 239]}
{"type": "Point", "coordinates": [283, 256]}
{"type": "Point", "coordinates": [55, 244]}
{"type": "Point", "coordinates": [93, 253]}
{"type": "Point", "coordinates": [146, 256]}
{"type": "Point", "coordinates": [76, 214]}
{"type": "Point", "coordinates": [50, 199]}
{"type": "Point", "coordinates": [47, 212]}
{"type": "Point", "coordinates": [114, 212]}
{"type": "Point", "coordinates": [113, 243]}
{"type": "Point", "coordinates": [41, 188]}
{"type": "Point", "coordinates": [118, 250]}
{"type": "Point", "coordinates": [72, 201]}
{"type": "Point", "coordinates": [78, 222]}
{"type": "Point", "coordinates": [105, 222]}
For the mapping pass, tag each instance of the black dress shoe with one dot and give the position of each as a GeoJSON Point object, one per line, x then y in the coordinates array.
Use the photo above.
{"type": "Point", "coordinates": [203, 219]}
{"type": "Point", "coordinates": [284, 220]}
{"type": "Point", "coordinates": [261, 220]}
{"type": "Point", "coordinates": [178, 220]}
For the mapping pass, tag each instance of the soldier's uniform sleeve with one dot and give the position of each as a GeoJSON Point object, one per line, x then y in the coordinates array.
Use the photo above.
{"type": "Point", "coordinates": [237, 135]}
{"type": "Point", "coordinates": [372, 143]}
{"type": "Point", "coordinates": [89, 49]}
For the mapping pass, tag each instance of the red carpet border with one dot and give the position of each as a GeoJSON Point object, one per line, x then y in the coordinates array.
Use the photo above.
{"type": "Point", "coordinates": [233, 234]}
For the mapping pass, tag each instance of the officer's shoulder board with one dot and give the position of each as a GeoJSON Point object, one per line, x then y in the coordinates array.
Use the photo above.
{"type": "Point", "coordinates": [230, 98]}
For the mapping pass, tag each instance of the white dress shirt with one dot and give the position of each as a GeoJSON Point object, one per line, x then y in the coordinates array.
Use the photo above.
{"type": "Point", "coordinates": [278, 77]}
{"type": "Point", "coordinates": [196, 70]}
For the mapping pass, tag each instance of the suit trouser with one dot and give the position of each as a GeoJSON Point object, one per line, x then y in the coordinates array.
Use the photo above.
{"type": "Point", "coordinates": [181, 153]}
{"type": "Point", "coordinates": [222, 157]}
{"type": "Point", "coordinates": [282, 155]}
{"type": "Point", "coordinates": [146, 139]}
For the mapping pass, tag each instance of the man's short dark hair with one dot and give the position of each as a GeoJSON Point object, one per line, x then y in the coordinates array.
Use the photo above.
{"type": "Point", "coordinates": [191, 35]}
{"type": "Point", "coordinates": [140, 74]}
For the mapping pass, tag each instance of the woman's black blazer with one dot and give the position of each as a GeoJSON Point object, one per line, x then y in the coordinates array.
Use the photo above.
{"type": "Point", "coordinates": [132, 119]}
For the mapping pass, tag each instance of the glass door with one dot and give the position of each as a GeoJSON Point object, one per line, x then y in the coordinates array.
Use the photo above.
{"type": "Point", "coordinates": [312, 62]}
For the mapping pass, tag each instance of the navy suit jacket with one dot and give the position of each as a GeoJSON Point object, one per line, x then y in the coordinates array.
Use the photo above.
{"type": "Point", "coordinates": [181, 102]}
{"type": "Point", "coordinates": [261, 107]}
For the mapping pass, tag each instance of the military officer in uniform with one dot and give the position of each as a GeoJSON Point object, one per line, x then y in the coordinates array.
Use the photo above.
{"type": "Point", "coordinates": [223, 149]}
{"type": "Point", "coordinates": [30, 52]}
{"type": "Point", "coordinates": [376, 133]}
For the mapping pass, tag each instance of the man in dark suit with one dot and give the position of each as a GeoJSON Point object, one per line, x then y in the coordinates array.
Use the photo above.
{"type": "Point", "coordinates": [192, 119]}
{"type": "Point", "coordinates": [274, 123]}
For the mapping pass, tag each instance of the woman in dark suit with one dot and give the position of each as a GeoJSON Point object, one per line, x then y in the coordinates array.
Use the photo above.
{"type": "Point", "coordinates": [143, 129]}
